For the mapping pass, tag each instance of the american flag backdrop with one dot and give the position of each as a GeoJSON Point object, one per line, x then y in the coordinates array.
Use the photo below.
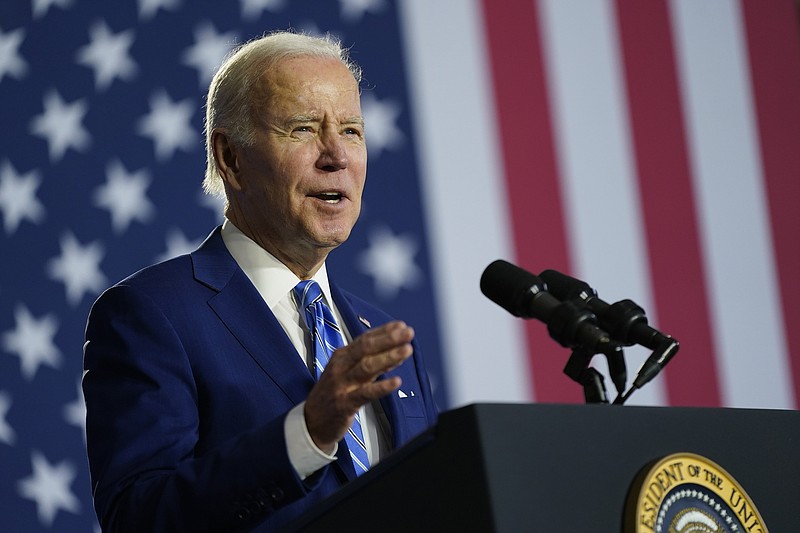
{"type": "Point", "coordinates": [650, 148]}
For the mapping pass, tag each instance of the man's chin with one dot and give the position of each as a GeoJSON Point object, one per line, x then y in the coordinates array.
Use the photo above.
{"type": "Point", "coordinates": [331, 234]}
{"type": "Point", "coordinates": [331, 242]}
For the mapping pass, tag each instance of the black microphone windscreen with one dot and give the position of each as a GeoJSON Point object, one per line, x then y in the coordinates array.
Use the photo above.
{"type": "Point", "coordinates": [565, 287]}
{"type": "Point", "coordinates": [509, 287]}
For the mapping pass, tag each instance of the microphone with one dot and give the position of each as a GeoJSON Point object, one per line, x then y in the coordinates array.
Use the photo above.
{"type": "Point", "coordinates": [525, 295]}
{"type": "Point", "coordinates": [624, 320]}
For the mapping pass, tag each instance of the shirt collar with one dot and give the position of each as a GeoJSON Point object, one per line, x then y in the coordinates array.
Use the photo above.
{"type": "Point", "coordinates": [272, 279]}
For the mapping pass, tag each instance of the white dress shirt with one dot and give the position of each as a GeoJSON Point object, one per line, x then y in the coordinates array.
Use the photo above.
{"type": "Point", "coordinates": [274, 282]}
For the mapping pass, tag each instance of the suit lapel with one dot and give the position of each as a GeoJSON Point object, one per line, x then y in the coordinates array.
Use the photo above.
{"type": "Point", "coordinates": [245, 314]}
{"type": "Point", "coordinates": [357, 324]}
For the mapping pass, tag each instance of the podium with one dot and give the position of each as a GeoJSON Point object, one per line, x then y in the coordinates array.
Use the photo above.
{"type": "Point", "coordinates": [561, 468]}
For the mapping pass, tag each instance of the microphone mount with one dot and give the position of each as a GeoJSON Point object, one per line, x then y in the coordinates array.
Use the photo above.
{"type": "Point", "coordinates": [571, 323]}
{"type": "Point", "coordinates": [665, 351]}
{"type": "Point", "coordinates": [625, 321]}
{"type": "Point", "coordinates": [594, 388]}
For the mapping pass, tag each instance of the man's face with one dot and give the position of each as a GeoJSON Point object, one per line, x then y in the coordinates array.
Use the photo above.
{"type": "Point", "coordinates": [300, 184]}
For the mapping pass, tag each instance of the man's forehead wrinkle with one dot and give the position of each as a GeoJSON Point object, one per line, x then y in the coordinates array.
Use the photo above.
{"type": "Point", "coordinates": [317, 117]}
{"type": "Point", "coordinates": [286, 96]}
{"type": "Point", "coordinates": [300, 96]}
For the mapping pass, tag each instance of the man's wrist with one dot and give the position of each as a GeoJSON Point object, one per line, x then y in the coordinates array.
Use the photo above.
{"type": "Point", "coordinates": [304, 455]}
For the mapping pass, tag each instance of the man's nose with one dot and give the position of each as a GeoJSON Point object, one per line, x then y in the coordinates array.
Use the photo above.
{"type": "Point", "coordinates": [333, 153]}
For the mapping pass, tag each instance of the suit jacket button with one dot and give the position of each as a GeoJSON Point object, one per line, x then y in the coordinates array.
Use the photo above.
{"type": "Point", "coordinates": [276, 494]}
{"type": "Point", "coordinates": [259, 505]}
{"type": "Point", "coordinates": [243, 514]}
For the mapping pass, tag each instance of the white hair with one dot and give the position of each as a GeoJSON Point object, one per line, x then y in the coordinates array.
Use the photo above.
{"type": "Point", "coordinates": [229, 105]}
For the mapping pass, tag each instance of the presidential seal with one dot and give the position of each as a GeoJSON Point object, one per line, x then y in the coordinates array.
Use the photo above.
{"type": "Point", "coordinates": [687, 493]}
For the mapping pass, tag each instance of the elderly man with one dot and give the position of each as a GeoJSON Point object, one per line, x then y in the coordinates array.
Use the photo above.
{"type": "Point", "coordinates": [232, 388]}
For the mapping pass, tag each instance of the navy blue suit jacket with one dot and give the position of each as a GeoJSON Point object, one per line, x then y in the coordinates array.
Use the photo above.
{"type": "Point", "coordinates": [188, 380]}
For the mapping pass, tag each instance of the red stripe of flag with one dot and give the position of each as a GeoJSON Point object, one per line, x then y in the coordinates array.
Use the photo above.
{"type": "Point", "coordinates": [528, 154]}
{"type": "Point", "coordinates": [774, 53]}
{"type": "Point", "coordinates": [670, 221]}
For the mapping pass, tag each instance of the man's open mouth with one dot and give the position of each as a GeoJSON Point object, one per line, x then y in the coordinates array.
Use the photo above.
{"type": "Point", "coordinates": [330, 197]}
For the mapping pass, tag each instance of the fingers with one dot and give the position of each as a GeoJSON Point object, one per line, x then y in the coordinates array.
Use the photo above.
{"type": "Point", "coordinates": [349, 380]}
{"type": "Point", "coordinates": [329, 415]}
{"type": "Point", "coordinates": [376, 390]}
{"type": "Point", "coordinates": [329, 411]}
{"type": "Point", "coordinates": [376, 352]}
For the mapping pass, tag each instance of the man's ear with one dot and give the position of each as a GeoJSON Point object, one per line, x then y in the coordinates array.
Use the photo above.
{"type": "Point", "coordinates": [226, 157]}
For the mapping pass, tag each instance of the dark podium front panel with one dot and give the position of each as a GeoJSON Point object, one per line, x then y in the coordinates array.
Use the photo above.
{"type": "Point", "coordinates": [561, 468]}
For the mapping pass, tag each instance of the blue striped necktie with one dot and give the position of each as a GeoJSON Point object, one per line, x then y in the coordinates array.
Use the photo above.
{"type": "Point", "coordinates": [328, 337]}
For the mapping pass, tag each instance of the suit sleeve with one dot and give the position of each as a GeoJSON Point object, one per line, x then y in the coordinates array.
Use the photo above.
{"type": "Point", "coordinates": [143, 428]}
